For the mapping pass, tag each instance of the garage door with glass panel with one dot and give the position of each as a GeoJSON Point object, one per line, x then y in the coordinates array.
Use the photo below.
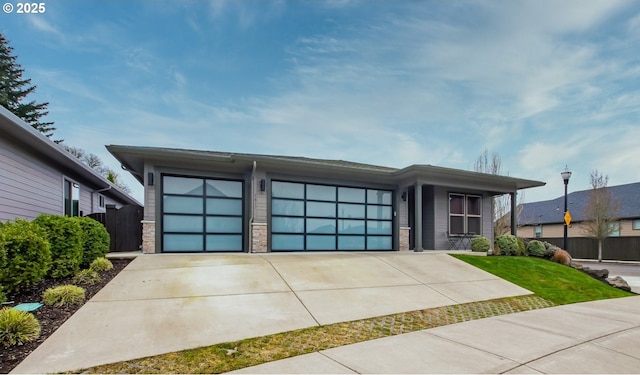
{"type": "Point", "coordinates": [327, 217]}
{"type": "Point", "coordinates": [201, 214]}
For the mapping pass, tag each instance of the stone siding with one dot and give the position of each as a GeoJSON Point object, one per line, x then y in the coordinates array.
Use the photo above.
{"type": "Point", "coordinates": [258, 238]}
{"type": "Point", "coordinates": [148, 236]}
{"type": "Point", "coordinates": [404, 238]}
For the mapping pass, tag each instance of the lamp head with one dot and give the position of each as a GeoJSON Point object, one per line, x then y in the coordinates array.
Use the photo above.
{"type": "Point", "coordinates": [566, 175]}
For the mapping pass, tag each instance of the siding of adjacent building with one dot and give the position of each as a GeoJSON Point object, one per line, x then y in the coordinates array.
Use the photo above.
{"type": "Point", "coordinates": [575, 230]}
{"type": "Point", "coordinates": [29, 186]}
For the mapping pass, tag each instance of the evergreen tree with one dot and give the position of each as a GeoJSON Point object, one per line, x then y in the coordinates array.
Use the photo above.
{"type": "Point", "coordinates": [14, 91]}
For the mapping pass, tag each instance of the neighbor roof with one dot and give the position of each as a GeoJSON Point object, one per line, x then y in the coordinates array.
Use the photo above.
{"type": "Point", "coordinates": [39, 144]}
{"type": "Point", "coordinates": [133, 158]}
{"type": "Point", "coordinates": [552, 211]}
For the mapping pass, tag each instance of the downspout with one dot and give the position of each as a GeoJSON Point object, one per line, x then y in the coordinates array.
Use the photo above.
{"type": "Point", "coordinates": [253, 204]}
{"type": "Point", "coordinates": [98, 191]}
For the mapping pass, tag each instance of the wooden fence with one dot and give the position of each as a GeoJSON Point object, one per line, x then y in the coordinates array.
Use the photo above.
{"type": "Point", "coordinates": [124, 226]}
{"type": "Point", "coordinates": [613, 248]}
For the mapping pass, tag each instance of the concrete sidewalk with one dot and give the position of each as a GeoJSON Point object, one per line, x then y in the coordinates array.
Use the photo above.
{"type": "Point", "coordinates": [168, 302]}
{"type": "Point", "coordinates": [592, 337]}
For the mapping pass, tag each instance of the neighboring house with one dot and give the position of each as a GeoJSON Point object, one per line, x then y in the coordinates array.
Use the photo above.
{"type": "Point", "coordinates": [39, 176]}
{"type": "Point", "coordinates": [197, 201]}
{"type": "Point", "coordinates": [545, 219]}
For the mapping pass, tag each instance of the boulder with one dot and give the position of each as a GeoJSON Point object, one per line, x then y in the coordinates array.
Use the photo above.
{"type": "Point", "coordinates": [618, 282]}
{"type": "Point", "coordinates": [562, 257]}
{"type": "Point", "coordinates": [599, 274]}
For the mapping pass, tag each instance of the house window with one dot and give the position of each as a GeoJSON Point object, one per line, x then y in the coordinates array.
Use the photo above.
{"type": "Point", "coordinates": [101, 201]}
{"type": "Point", "coordinates": [465, 214]}
{"type": "Point", "coordinates": [538, 231]}
{"type": "Point", "coordinates": [636, 224]}
{"type": "Point", "coordinates": [71, 198]}
{"type": "Point", "coordinates": [615, 229]}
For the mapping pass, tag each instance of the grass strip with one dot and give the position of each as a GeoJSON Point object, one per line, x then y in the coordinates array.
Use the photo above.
{"type": "Point", "coordinates": [552, 281]}
{"type": "Point", "coordinates": [254, 351]}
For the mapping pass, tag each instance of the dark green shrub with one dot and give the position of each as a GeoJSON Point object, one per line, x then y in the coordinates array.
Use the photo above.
{"type": "Point", "coordinates": [536, 248]}
{"type": "Point", "coordinates": [3, 297]}
{"type": "Point", "coordinates": [481, 244]}
{"type": "Point", "coordinates": [28, 256]}
{"type": "Point", "coordinates": [97, 240]}
{"type": "Point", "coordinates": [506, 244]}
{"type": "Point", "coordinates": [63, 295]}
{"type": "Point", "coordinates": [101, 264]}
{"type": "Point", "coordinates": [17, 327]}
{"type": "Point", "coordinates": [65, 236]}
{"type": "Point", "coordinates": [87, 277]}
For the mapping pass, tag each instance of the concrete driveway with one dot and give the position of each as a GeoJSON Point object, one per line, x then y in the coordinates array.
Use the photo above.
{"type": "Point", "coordinates": [166, 302]}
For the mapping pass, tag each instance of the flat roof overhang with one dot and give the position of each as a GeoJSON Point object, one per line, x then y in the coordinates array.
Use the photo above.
{"type": "Point", "coordinates": [133, 159]}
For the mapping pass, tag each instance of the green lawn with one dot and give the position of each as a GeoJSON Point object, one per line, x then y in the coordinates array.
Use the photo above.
{"type": "Point", "coordinates": [552, 281]}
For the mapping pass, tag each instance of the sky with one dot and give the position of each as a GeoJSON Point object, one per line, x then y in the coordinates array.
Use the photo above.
{"type": "Point", "coordinates": [543, 84]}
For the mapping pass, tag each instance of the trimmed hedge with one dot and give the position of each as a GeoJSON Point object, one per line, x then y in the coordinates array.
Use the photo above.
{"type": "Point", "coordinates": [506, 244]}
{"type": "Point", "coordinates": [536, 248]}
{"type": "Point", "coordinates": [480, 244]}
{"type": "Point", "coordinates": [97, 241]}
{"type": "Point", "coordinates": [28, 255]}
{"type": "Point", "coordinates": [66, 237]}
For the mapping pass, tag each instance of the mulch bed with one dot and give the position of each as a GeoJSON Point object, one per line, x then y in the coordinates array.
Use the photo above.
{"type": "Point", "coordinates": [50, 317]}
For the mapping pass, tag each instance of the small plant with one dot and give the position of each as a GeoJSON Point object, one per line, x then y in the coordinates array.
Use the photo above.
{"type": "Point", "coordinates": [63, 295]}
{"type": "Point", "coordinates": [101, 264]}
{"type": "Point", "coordinates": [536, 248]}
{"type": "Point", "coordinates": [88, 277]}
{"type": "Point", "coordinates": [480, 244]}
{"type": "Point", "coordinates": [26, 255]}
{"type": "Point", "coordinates": [17, 327]}
{"type": "Point", "coordinates": [506, 244]}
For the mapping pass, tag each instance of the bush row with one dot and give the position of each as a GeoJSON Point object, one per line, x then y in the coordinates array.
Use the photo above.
{"type": "Point", "coordinates": [50, 245]}
{"type": "Point", "coordinates": [509, 244]}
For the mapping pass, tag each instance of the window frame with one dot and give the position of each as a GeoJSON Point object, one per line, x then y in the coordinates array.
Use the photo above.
{"type": "Point", "coordinates": [635, 224]}
{"type": "Point", "coordinates": [537, 233]}
{"type": "Point", "coordinates": [70, 194]}
{"type": "Point", "coordinates": [465, 215]}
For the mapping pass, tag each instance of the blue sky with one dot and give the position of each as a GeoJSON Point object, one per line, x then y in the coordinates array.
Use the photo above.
{"type": "Point", "coordinates": [542, 83]}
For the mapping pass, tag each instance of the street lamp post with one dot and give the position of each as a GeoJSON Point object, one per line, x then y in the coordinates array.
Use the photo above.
{"type": "Point", "coordinates": [566, 175]}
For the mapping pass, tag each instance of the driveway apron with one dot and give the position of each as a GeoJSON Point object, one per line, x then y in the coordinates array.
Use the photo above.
{"type": "Point", "coordinates": [163, 303]}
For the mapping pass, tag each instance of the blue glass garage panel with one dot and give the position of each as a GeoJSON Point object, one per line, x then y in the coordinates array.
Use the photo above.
{"type": "Point", "coordinates": [329, 217]}
{"type": "Point", "coordinates": [183, 242]}
{"type": "Point", "coordinates": [201, 214]}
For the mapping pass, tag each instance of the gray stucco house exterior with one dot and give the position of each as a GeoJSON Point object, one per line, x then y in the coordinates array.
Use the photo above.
{"type": "Point", "coordinates": [39, 176]}
{"type": "Point", "coordinates": [207, 201]}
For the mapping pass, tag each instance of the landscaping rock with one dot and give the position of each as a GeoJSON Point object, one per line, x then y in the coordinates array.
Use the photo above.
{"type": "Point", "coordinates": [562, 257]}
{"type": "Point", "coordinates": [618, 282]}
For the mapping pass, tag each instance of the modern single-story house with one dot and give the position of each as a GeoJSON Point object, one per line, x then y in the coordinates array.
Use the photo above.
{"type": "Point", "coordinates": [545, 219]}
{"type": "Point", "coordinates": [200, 201]}
{"type": "Point", "coordinates": [39, 176]}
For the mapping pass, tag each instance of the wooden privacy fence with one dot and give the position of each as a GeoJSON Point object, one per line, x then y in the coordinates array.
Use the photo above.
{"type": "Point", "coordinates": [124, 225]}
{"type": "Point", "coordinates": [613, 248]}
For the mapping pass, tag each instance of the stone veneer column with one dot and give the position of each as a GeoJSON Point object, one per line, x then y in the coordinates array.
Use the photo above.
{"type": "Point", "coordinates": [148, 236]}
{"type": "Point", "coordinates": [259, 238]}
{"type": "Point", "coordinates": [404, 238]}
